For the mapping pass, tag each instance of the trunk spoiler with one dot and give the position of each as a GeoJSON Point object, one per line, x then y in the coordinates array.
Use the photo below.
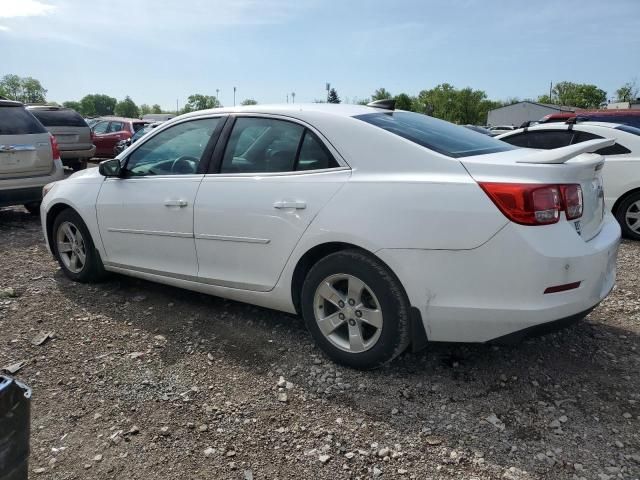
{"type": "Point", "coordinates": [563, 154]}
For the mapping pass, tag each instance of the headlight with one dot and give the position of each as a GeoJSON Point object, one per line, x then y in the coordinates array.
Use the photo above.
{"type": "Point", "coordinates": [47, 188]}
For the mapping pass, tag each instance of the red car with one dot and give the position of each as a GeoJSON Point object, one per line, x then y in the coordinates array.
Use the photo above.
{"type": "Point", "coordinates": [109, 131]}
{"type": "Point", "coordinates": [627, 117]}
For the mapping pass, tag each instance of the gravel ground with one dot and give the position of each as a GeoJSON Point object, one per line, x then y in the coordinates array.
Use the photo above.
{"type": "Point", "coordinates": [141, 380]}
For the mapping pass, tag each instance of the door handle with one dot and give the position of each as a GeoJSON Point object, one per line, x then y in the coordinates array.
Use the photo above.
{"type": "Point", "coordinates": [176, 203]}
{"type": "Point", "coordinates": [298, 205]}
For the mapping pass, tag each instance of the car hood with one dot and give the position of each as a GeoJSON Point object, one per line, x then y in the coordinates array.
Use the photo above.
{"type": "Point", "coordinates": [91, 172]}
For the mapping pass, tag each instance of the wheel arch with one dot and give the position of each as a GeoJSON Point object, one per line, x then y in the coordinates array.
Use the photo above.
{"type": "Point", "coordinates": [622, 198]}
{"type": "Point", "coordinates": [52, 213]}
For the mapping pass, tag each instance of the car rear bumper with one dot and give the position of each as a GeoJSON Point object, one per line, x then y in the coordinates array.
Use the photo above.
{"type": "Point", "coordinates": [81, 154]}
{"type": "Point", "coordinates": [498, 288]}
{"type": "Point", "coordinates": [18, 191]}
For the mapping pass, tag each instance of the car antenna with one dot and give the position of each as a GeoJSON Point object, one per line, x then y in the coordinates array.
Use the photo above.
{"type": "Point", "coordinates": [386, 104]}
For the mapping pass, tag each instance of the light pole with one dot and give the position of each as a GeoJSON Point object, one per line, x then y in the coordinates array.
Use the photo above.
{"type": "Point", "coordinates": [217, 96]}
{"type": "Point", "coordinates": [234, 96]}
{"type": "Point", "coordinates": [293, 97]}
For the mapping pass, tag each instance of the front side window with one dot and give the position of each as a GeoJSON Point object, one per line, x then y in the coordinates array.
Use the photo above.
{"type": "Point", "coordinates": [174, 151]}
{"type": "Point", "coordinates": [437, 135]}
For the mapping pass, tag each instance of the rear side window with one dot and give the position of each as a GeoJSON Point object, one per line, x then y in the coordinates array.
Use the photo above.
{"type": "Point", "coordinates": [615, 149]}
{"type": "Point", "coordinates": [115, 127]}
{"type": "Point", "coordinates": [629, 129]}
{"type": "Point", "coordinates": [313, 154]}
{"type": "Point", "coordinates": [437, 135]}
{"type": "Point", "coordinates": [100, 127]}
{"type": "Point", "coordinates": [59, 118]}
{"type": "Point", "coordinates": [18, 121]}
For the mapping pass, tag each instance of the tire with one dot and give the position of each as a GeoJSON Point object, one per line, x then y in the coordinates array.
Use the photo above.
{"type": "Point", "coordinates": [625, 213]}
{"type": "Point", "coordinates": [349, 338]}
{"type": "Point", "coordinates": [69, 224]}
{"type": "Point", "coordinates": [77, 165]}
{"type": "Point", "coordinates": [33, 208]}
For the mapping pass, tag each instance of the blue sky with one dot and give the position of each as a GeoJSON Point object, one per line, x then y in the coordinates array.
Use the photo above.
{"type": "Point", "coordinates": [158, 51]}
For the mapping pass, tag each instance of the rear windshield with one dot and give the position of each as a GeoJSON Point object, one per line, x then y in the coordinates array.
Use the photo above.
{"type": "Point", "coordinates": [59, 118]}
{"type": "Point", "coordinates": [18, 121]}
{"type": "Point", "coordinates": [138, 125]}
{"type": "Point", "coordinates": [437, 135]}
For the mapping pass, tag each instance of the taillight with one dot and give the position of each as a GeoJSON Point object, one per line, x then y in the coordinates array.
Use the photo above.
{"type": "Point", "coordinates": [54, 147]}
{"type": "Point", "coordinates": [572, 197]}
{"type": "Point", "coordinates": [535, 204]}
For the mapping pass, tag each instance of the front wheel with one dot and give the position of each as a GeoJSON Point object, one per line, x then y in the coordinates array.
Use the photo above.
{"type": "Point", "coordinates": [356, 309]}
{"type": "Point", "coordinates": [628, 215]}
{"type": "Point", "coordinates": [74, 249]}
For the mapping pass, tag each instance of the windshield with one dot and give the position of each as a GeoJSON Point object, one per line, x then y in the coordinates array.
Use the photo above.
{"type": "Point", "coordinates": [437, 135]}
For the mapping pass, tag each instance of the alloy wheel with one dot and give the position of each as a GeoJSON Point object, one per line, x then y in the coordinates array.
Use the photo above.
{"type": "Point", "coordinates": [632, 217]}
{"type": "Point", "coordinates": [348, 313]}
{"type": "Point", "coordinates": [71, 247]}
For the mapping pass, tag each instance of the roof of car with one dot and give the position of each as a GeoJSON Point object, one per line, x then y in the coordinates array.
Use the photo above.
{"type": "Point", "coordinates": [343, 110]}
{"type": "Point", "coordinates": [10, 103]}
{"type": "Point", "coordinates": [563, 126]}
{"type": "Point", "coordinates": [121, 119]}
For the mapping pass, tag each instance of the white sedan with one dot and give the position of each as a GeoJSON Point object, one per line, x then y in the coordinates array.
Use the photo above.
{"type": "Point", "coordinates": [622, 167]}
{"type": "Point", "coordinates": [382, 228]}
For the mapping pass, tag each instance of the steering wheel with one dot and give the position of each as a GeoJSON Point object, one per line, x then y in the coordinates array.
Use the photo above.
{"type": "Point", "coordinates": [185, 164]}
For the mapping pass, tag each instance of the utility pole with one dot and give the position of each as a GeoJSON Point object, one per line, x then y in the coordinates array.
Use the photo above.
{"type": "Point", "coordinates": [293, 97]}
{"type": "Point", "coordinates": [217, 96]}
{"type": "Point", "coordinates": [234, 96]}
{"type": "Point", "coordinates": [328, 88]}
{"type": "Point", "coordinates": [177, 109]}
{"type": "Point", "coordinates": [551, 91]}
{"type": "Point", "coordinates": [287, 98]}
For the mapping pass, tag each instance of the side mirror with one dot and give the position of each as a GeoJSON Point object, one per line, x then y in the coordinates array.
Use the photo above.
{"type": "Point", "coordinates": [110, 168]}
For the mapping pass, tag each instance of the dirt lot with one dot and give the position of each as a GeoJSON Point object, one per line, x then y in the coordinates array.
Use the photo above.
{"type": "Point", "coordinates": [147, 381]}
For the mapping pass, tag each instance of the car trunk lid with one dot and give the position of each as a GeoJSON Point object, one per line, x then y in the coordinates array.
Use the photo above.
{"type": "Point", "coordinates": [567, 165]}
{"type": "Point", "coordinates": [72, 138]}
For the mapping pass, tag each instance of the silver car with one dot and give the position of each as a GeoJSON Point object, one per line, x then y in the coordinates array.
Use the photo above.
{"type": "Point", "coordinates": [29, 157]}
{"type": "Point", "coordinates": [71, 131]}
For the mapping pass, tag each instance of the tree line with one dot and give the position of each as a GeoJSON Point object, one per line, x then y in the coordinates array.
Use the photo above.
{"type": "Point", "coordinates": [445, 101]}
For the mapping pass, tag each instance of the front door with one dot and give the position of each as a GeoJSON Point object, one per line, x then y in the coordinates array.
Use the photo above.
{"type": "Point", "coordinates": [273, 179]}
{"type": "Point", "coordinates": [146, 217]}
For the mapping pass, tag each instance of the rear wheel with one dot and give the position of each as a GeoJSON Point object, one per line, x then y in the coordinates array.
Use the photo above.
{"type": "Point", "coordinates": [356, 310]}
{"type": "Point", "coordinates": [74, 249]}
{"type": "Point", "coordinates": [628, 215]}
{"type": "Point", "coordinates": [77, 165]}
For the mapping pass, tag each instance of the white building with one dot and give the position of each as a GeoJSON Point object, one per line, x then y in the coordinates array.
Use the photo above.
{"type": "Point", "coordinates": [518, 113]}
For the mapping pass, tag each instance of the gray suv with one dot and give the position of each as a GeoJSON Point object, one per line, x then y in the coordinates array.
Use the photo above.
{"type": "Point", "coordinates": [71, 131]}
{"type": "Point", "coordinates": [29, 157]}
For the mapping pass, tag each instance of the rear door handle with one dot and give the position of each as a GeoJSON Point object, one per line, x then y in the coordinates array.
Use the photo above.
{"type": "Point", "coordinates": [176, 203]}
{"type": "Point", "coordinates": [298, 205]}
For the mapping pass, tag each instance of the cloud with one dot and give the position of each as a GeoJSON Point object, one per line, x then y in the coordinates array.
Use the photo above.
{"type": "Point", "coordinates": [4, 28]}
{"type": "Point", "coordinates": [23, 8]}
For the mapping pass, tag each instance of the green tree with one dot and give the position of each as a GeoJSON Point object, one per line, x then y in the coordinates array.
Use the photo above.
{"type": "Point", "coordinates": [249, 101]}
{"type": "Point", "coordinates": [197, 101]}
{"type": "Point", "coordinates": [96, 105]}
{"type": "Point", "coordinates": [332, 96]}
{"type": "Point", "coordinates": [156, 108]}
{"type": "Point", "coordinates": [381, 94]}
{"type": "Point", "coordinates": [33, 91]}
{"type": "Point", "coordinates": [404, 102]}
{"type": "Point", "coordinates": [581, 95]}
{"type": "Point", "coordinates": [144, 109]}
{"type": "Point", "coordinates": [11, 86]}
{"type": "Point", "coordinates": [77, 106]}
{"type": "Point", "coordinates": [628, 92]}
{"type": "Point", "coordinates": [127, 108]}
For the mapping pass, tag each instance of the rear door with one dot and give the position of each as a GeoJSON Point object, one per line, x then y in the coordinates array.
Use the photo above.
{"type": "Point", "coordinates": [106, 134]}
{"type": "Point", "coordinates": [69, 128]}
{"type": "Point", "coordinates": [273, 178]}
{"type": "Point", "coordinates": [25, 145]}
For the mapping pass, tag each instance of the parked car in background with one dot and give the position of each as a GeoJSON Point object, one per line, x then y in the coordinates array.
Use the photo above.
{"type": "Point", "coordinates": [71, 131]}
{"type": "Point", "coordinates": [499, 129]}
{"type": "Point", "coordinates": [158, 117]}
{"type": "Point", "coordinates": [626, 117]}
{"type": "Point", "coordinates": [382, 228]}
{"type": "Point", "coordinates": [91, 121]}
{"type": "Point", "coordinates": [108, 131]}
{"type": "Point", "coordinates": [622, 167]}
{"type": "Point", "coordinates": [29, 157]}
{"type": "Point", "coordinates": [475, 128]}
{"type": "Point", "coordinates": [123, 144]}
